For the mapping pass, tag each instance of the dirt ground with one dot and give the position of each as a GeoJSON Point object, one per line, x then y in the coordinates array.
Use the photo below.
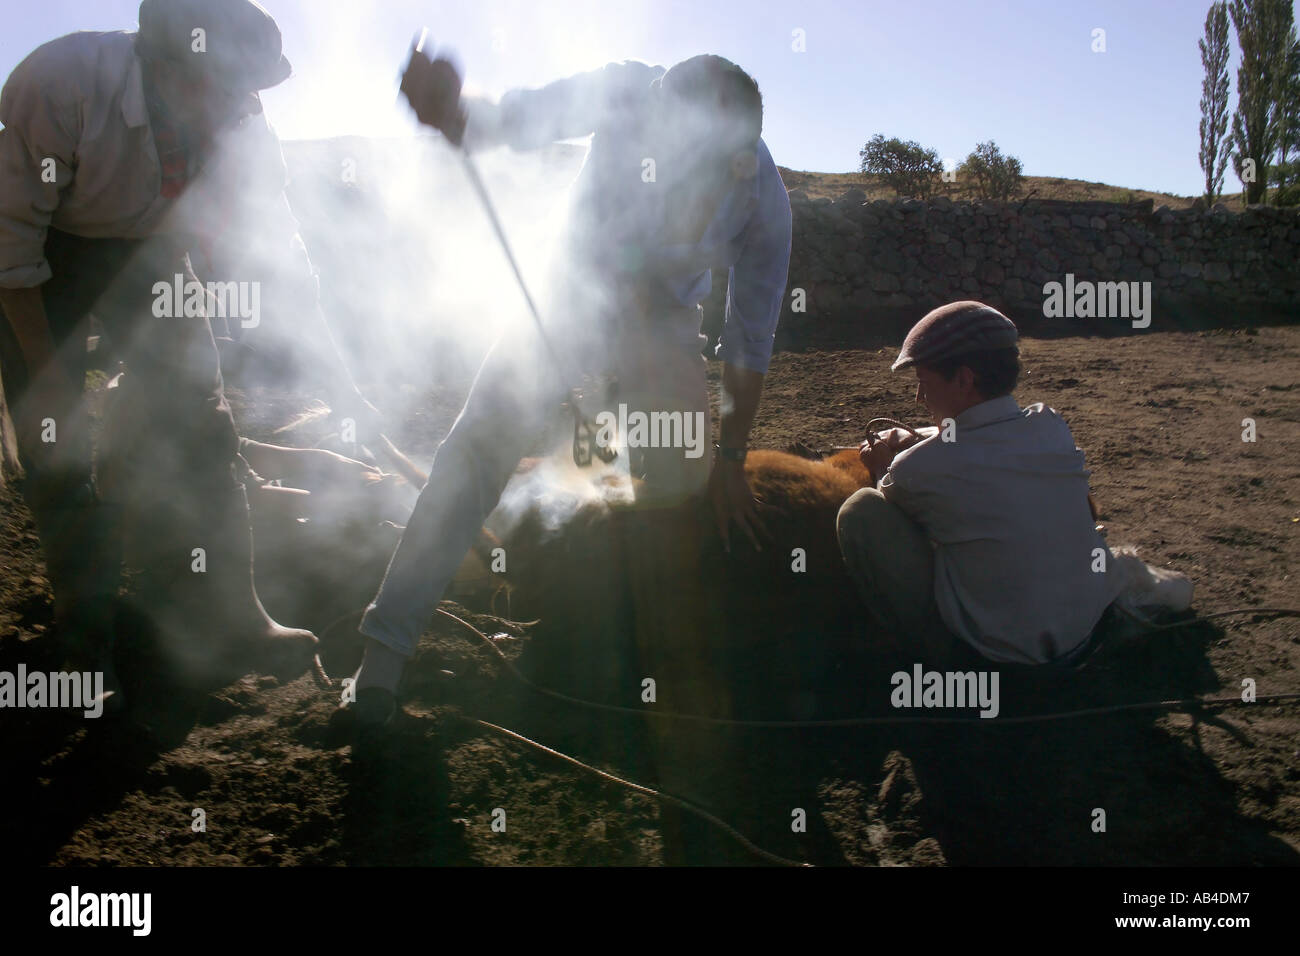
{"type": "Point", "coordinates": [1159, 415]}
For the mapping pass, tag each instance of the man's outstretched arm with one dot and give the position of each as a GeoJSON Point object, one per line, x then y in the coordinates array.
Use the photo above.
{"type": "Point", "coordinates": [523, 119]}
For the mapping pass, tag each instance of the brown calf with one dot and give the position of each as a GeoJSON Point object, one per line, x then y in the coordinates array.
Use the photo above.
{"type": "Point", "coordinates": [661, 576]}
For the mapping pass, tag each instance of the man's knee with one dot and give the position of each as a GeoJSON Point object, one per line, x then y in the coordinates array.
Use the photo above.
{"type": "Point", "coordinates": [860, 514]}
{"type": "Point", "coordinates": [881, 545]}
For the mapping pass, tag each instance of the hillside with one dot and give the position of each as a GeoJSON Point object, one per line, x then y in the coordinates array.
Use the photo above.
{"type": "Point", "coordinates": [833, 185]}
{"type": "Point", "coordinates": [564, 159]}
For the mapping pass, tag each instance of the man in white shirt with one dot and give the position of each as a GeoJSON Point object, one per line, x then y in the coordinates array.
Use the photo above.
{"type": "Point", "coordinates": [127, 160]}
{"type": "Point", "coordinates": [979, 535]}
{"type": "Point", "coordinates": [639, 250]}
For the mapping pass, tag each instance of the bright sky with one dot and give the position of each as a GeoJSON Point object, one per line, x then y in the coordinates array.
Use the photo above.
{"type": "Point", "coordinates": [946, 73]}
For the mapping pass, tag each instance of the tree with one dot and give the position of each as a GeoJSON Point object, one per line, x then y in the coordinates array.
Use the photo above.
{"type": "Point", "coordinates": [992, 175]}
{"type": "Point", "coordinates": [1286, 177]}
{"type": "Point", "coordinates": [907, 168]}
{"type": "Point", "coordinates": [1214, 100]}
{"type": "Point", "coordinates": [1266, 36]}
{"type": "Point", "coordinates": [1286, 174]}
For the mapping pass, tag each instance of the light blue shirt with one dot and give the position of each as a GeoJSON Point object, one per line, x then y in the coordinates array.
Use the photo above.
{"type": "Point", "coordinates": [620, 217]}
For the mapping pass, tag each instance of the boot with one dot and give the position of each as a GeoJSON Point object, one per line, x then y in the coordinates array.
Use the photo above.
{"type": "Point", "coordinates": [267, 644]}
{"type": "Point", "coordinates": [87, 641]}
{"type": "Point", "coordinates": [200, 590]}
{"type": "Point", "coordinates": [81, 542]}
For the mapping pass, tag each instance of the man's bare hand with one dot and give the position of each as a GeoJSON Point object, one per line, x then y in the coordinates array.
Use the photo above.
{"type": "Point", "coordinates": [432, 87]}
{"type": "Point", "coordinates": [734, 502]}
{"type": "Point", "coordinates": [898, 439]}
{"type": "Point", "coordinates": [877, 456]}
{"type": "Point", "coordinates": [877, 452]}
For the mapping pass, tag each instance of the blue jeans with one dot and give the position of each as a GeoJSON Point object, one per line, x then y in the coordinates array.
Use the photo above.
{"type": "Point", "coordinates": [514, 396]}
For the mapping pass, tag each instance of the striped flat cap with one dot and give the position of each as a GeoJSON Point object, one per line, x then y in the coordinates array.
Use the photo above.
{"type": "Point", "coordinates": [241, 45]}
{"type": "Point", "coordinates": [956, 329]}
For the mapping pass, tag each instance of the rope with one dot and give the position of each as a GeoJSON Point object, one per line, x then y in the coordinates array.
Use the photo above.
{"type": "Point", "coordinates": [892, 423]}
{"type": "Point", "coordinates": [329, 683]}
{"type": "Point", "coordinates": [1151, 625]}
{"type": "Point", "coordinates": [667, 797]}
{"type": "Point", "coordinates": [671, 798]}
{"type": "Point", "coordinates": [870, 721]}
{"type": "Point", "coordinates": [662, 795]}
{"type": "Point", "coordinates": [322, 679]}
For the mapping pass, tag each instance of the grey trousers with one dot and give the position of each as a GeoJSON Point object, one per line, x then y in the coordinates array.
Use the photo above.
{"type": "Point", "coordinates": [174, 447]}
{"type": "Point", "coordinates": [891, 562]}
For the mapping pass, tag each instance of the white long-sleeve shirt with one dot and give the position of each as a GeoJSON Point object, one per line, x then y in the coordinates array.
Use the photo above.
{"type": "Point", "coordinates": [77, 153]}
{"type": "Point", "coordinates": [618, 219]}
{"type": "Point", "coordinates": [1016, 549]}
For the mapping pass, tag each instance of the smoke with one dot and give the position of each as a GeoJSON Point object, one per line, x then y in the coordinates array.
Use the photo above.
{"type": "Point", "coordinates": [554, 490]}
{"type": "Point", "coordinates": [413, 281]}
{"type": "Point", "coordinates": [415, 285]}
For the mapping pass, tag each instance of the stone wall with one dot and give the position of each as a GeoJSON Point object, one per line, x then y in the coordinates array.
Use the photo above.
{"type": "Point", "coordinates": [853, 258]}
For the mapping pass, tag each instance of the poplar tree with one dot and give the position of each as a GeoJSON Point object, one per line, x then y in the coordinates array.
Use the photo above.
{"type": "Point", "coordinates": [1214, 100]}
{"type": "Point", "coordinates": [1266, 36]}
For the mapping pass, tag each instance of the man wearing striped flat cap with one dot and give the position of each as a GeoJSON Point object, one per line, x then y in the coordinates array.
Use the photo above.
{"type": "Point", "coordinates": [131, 161]}
{"type": "Point", "coordinates": [978, 542]}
